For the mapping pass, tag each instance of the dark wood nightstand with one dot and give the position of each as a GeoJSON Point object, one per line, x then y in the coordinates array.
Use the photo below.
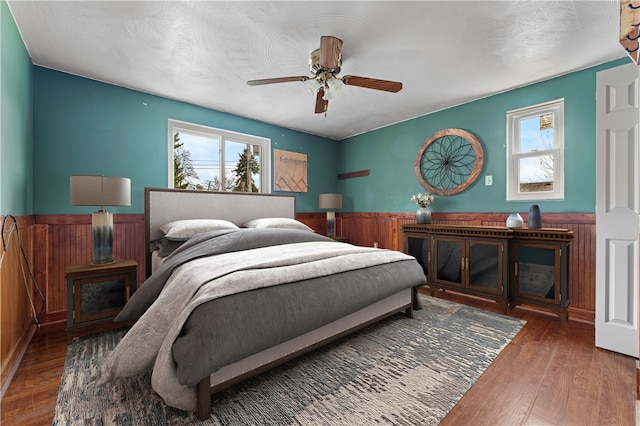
{"type": "Point", "coordinates": [96, 293]}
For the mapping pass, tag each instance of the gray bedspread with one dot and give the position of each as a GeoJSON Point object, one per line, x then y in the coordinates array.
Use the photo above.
{"type": "Point", "coordinates": [203, 278]}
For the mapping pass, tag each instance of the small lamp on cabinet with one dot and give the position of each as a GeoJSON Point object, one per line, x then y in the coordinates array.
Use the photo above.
{"type": "Point", "coordinates": [90, 190]}
{"type": "Point", "coordinates": [330, 202]}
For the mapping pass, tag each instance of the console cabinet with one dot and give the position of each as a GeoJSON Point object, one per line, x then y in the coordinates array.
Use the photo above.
{"type": "Point", "coordinates": [510, 266]}
{"type": "Point", "coordinates": [540, 269]}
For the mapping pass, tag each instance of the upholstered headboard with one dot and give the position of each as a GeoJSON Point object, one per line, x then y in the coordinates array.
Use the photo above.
{"type": "Point", "coordinates": [162, 206]}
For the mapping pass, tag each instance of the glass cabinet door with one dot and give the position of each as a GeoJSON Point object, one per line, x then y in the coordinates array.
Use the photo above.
{"type": "Point", "coordinates": [536, 272]}
{"type": "Point", "coordinates": [448, 260]}
{"type": "Point", "coordinates": [418, 247]}
{"type": "Point", "coordinates": [484, 265]}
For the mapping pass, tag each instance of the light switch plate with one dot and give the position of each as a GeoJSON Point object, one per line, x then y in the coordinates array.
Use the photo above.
{"type": "Point", "coordinates": [488, 180]}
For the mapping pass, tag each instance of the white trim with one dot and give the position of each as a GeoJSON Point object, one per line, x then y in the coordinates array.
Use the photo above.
{"type": "Point", "coordinates": [265, 143]}
{"type": "Point", "coordinates": [514, 118]}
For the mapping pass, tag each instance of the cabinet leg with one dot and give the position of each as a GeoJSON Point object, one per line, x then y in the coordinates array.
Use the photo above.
{"type": "Point", "coordinates": [564, 316]}
{"type": "Point", "coordinates": [505, 306]}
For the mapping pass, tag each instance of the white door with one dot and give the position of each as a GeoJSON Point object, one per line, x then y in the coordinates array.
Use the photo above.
{"type": "Point", "coordinates": [617, 209]}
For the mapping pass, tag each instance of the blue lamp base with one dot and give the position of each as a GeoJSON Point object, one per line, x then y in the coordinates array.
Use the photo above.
{"type": "Point", "coordinates": [331, 224]}
{"type": "Point", "coordinates": [102, 229]}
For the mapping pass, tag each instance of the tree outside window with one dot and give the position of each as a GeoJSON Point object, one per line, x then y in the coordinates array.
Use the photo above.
{"type": "Point", "coordinates": [210, 159]}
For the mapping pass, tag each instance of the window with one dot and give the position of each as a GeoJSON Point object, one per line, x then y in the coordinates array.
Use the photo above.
{"type": "Point", "coordinates": [208, 159]}
{"type": "Point", "coordinates": [535, 152]}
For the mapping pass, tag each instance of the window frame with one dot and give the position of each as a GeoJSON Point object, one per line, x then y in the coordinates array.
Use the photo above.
{"type": "Point", "coordinates": [222, 135]}
{"type": "Point", "coordinates": [514, 118]}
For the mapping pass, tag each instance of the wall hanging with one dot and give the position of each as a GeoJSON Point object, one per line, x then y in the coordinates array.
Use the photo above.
{"type": "Point", "coordinates": [290, 171]}
{"type": "Point", "coordinates": [449, 162]}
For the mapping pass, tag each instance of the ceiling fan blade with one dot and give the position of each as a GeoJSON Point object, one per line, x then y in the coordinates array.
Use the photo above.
{"type": "Point", "coordinates": [330, 48]}
{"type": "Point", "coordinates": [372, 83]}
{"type": "Point", "coordinates": [277, 80]}
{"type": "Point", "coordinates": [321, 104]}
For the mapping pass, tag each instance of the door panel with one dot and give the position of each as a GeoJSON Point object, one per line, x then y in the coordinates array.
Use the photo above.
{"type": "Point", "coordinates": [448, 258]}
{"type": "Point", "coordinates": [418, 247]}
{"type": "Point", "coordinates": [538, 272]}
{"type": "Point", "coordinates": [617, 210]}
{"type": "Point", "coordinates": [485, 266]}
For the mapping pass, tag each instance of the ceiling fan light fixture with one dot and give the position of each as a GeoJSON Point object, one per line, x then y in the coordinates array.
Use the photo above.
{"type": "Point", "coordinates": [313, 85]}
{"type": "Point", "coordinates": [325, 64]}
{"type": "Point", "coordinates": [332, 88]}
{"type": "Point", "coordinates": [328, 94]}
{"type": "Point", "coordinates": [335, 84]}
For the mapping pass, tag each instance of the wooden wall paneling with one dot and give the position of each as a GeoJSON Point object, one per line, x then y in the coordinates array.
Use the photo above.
{"type": "Point", "coordinates": [64, 239]}
{"type": "Point", "coordinates": [129, 241]}
{"type": "Point", "coordinates": [365, 229]}
{"type": "Point", "coordinates": [16, 316]}
{"type": "Point", "coordinates": [317, 222]}
{"type": "Point", "coordinates": [41, 271]}
{"type": "Point", "coordinates": [67, 239]}
{"type": "Point", "coordinates": [402, 220]}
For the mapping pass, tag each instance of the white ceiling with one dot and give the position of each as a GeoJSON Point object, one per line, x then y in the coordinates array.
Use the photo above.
{"type": "Point", "coordinates": [203, 52]}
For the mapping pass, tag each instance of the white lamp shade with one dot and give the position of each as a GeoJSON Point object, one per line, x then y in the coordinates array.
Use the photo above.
{"type": "Point", "coordinates": [90, 190]}
{"type": "Point", "coordinates": [330, 201]}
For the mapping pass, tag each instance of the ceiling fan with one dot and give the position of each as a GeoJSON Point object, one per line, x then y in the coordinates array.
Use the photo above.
{"type": "Point", "coordinates": [325, 66]}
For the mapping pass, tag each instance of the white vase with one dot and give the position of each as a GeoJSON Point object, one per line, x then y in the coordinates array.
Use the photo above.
{"type": "Point", "coordinates": [515, 221]}
{"type": "Point", "coordinates": [423, 215]}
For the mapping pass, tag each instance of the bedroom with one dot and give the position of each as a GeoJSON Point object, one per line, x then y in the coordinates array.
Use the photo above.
{"type": "Point", "coordinates": [55, 105]}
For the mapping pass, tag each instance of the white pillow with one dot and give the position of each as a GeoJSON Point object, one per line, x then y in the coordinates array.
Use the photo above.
{"type": "Point", "coordinates": [181, 230]}
{"type": "Point", "coordinates": [277, 222]}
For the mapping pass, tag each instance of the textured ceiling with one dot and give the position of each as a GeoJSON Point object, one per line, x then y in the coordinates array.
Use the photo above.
{"type": "Point", "coordinates": [203, 52]}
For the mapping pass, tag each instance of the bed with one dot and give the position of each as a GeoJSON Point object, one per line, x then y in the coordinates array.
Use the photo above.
{"type": "Point", "coordinates": [245, 288]}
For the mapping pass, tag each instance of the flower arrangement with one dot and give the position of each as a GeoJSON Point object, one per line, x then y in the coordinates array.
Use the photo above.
{"type": "Point", "coordinates": [423, 200]}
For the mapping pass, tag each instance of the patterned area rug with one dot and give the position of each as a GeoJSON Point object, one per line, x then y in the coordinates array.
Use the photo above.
{"type": "Point", "coordinates": [398, 371]}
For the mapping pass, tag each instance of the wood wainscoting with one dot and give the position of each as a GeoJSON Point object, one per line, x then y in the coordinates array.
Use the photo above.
{"type": "Point", "coordinates": [16, 317]}
{"type": "Point", "coordinates": [67, 239]}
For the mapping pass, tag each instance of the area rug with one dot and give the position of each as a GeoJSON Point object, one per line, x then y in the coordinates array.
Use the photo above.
{"type": "Point", "coordinates": [399, 371]}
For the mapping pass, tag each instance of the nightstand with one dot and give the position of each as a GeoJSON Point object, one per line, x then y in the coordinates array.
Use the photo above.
{"type": "Point", "coordinates": [96, 293]}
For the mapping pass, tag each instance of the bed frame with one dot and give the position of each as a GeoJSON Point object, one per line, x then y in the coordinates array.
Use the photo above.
{"type": "Point", "coordinates": [162, 206]}
{"type": "Point", "coordinates": [166, 205]}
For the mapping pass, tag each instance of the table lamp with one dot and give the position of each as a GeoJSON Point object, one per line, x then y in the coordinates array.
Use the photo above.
{"type": "Point", "coordinates": [330, 201]}
{"type": "Point", "coordinates": [90, 190]}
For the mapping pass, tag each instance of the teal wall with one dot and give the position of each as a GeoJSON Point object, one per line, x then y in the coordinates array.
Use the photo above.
{"type": "Point", "coordinates": [16, 120]}
{"type": "Point", "coordinates": [82, 126]}
{"type": "Point", "coordinates": [54, 125]}
{"type": "Point", "coordinates": [390, 152]}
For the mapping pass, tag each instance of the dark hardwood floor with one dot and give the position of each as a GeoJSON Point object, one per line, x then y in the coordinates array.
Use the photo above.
{"type": "Point", "coordinates": [548, 375]}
